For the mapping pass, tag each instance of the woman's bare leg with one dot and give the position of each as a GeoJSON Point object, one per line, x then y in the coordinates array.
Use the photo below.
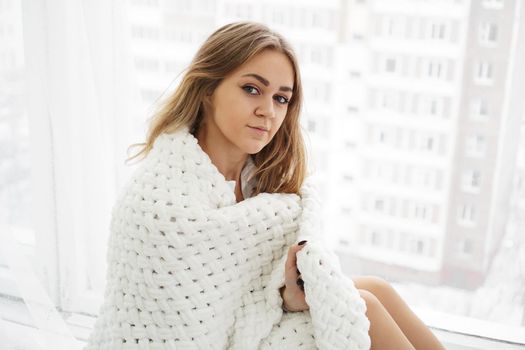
{"type": "Point", "coordinates": [384, 333]}
{"type": "Point", "coordinates": [414, 329]}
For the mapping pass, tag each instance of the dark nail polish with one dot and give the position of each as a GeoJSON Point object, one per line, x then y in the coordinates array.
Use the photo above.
{"type": "Point", "coordinates": [302, 242]}
{"type": "Point", "coordinates": [298, 272]}
{"type": "Point", "coordinates": [300, 282]}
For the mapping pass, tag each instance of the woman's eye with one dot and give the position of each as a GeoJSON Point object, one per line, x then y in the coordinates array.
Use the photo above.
{"type": "Point", "coordinates": [249, 89]}
{"type": "Point", "coordinates": [254, 91]}
{"type": "Point", "coordinates": [282, 100]}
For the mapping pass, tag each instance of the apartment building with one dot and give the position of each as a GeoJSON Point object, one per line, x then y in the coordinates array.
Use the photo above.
{"type": "Point", "coordinates": [439, 119]}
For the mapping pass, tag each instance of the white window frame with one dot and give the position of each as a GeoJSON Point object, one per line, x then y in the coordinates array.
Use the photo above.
{"type": "Point", "coordinates": [388, 100]}
{"type": "Point", "coordinates": [471, 181]}
{"type": "Point", "coordinates": [430, 103]}
{"type": "Point", "coordinates": [483, 72]}
{"type": "Point", "coordinates": [438, 30]}
{"type": "Point", "coordinates": [475, 146]}
{"type": "Point", "coordinates": [462, 246]}
{"type": "Point", "coordinates": [488, 33]}
{"type": "Point", "coordinates": [466, 215]}
{"type": "Point", "coordinates": [434, 69]}
{"type": "Point", "coordinates": [493, 4]}
{"type": "Point", "coordinates": [387, 61]}
{"type": "Point", "coordinates": [479, 108]}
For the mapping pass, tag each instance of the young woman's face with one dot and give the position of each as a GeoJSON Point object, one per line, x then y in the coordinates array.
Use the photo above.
{"type": "Point", "coordinates": [250, 104]}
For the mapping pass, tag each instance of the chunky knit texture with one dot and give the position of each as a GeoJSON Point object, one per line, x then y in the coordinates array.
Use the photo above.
{"type": "Point", "coordinates": [189, 268]}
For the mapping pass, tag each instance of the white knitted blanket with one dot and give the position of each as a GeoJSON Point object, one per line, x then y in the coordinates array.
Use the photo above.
{"type": "Point", "coordinates": [189, 268]}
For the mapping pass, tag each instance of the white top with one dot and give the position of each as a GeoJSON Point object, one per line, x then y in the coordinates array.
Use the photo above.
{"type": "Point", "coordinates": [247, 186]}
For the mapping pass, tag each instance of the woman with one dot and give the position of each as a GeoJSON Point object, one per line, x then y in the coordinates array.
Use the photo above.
{"type": "Point", "coordinates": [202, 251]}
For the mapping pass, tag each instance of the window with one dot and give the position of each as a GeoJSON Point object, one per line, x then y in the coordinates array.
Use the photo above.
{"type": "Point", "coordinates": [311, 125]}
{"type": "Point", "coordinates": [390, 65]}
{"type": "Point", "coordinates": [465, 246]}
{"type": "Point", "coordinates": [431, 106]}
{"type": "Point", "coordinates": [409, 179]}
{"type": "Point", "coordinates": [434, 69]}
{"type": "Point", "coordinates": [488, 34]}
{"type": "Point", "coordinates": [475, 146]}
{"type": "Point", "coordinates": [390, 26]}
{"type": "Point", "coordinates": [388, 100]}
{"type": "Point", "coordinates": [416, 246]}
{"type": "Point", "coordinates": [152, 3]}
{"type": "Point", "coordinates": [144, 32]}
{"type": "Point", "coordinates": [483, 72]}
{"type": "Point", "coordinates": [147, 64]}
{"type": "Point", "coordinates": [493, 4]}
{"type": "Point", "coordinates": [427, 142]}
{"type": "Point", "coordinates": [420, 211]}
{"type": "Point", "coordinates": [479, 108]}
{"type": "Point", "coordinates": [466, 214]}
{"type": "Point", "coordinates": [438, 31]}
{"type": "Point", "coordinates": [382, 136]}
{"type": "Point", "coordinates": [376, 237]}
{"type": "Point", "coordinates": [379, 204]}
{"type": "Point", "coordinates": [470, 181]}
{"type": "Point", "coordinates": [420, 177]}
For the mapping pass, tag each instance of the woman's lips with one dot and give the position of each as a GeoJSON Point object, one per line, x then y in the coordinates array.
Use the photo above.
{"type": "Point", "coordinates": [258, 130]}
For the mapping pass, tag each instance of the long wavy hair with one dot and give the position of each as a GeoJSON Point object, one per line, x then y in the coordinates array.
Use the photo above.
{"type": "Point", "coordinates": [281, 164]}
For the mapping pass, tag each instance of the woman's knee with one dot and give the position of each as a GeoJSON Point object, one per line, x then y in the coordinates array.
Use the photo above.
{"type": "Point", "coordinates": [372, 302]}
{"type": "Point", "coordinates": [376, 285]}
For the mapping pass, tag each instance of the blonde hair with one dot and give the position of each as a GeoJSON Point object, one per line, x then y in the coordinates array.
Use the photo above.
{"type": "Point", "coordinates": [280, 165]}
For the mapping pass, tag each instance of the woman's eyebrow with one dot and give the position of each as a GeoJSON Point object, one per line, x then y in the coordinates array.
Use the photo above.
{"type": "Point", "coordinates": [265, 82]}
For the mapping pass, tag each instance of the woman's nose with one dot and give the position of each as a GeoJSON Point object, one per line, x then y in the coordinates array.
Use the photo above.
{"type": "Point", "coordinates": [265, 109]}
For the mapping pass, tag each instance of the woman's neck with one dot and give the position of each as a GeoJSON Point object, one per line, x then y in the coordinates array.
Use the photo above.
{"type": "Point", "coordinates": [228, 161]}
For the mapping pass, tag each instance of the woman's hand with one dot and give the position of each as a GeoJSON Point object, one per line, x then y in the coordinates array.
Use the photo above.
{"type": "Point", "coordinates": [293, 291]}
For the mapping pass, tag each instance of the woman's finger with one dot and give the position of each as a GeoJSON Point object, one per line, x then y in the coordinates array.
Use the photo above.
{"type": "Point", "coordinates": [291, 261]}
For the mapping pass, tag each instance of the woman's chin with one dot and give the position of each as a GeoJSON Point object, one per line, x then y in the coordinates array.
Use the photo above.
{"type": "Point", "coordinates": [253, 147]}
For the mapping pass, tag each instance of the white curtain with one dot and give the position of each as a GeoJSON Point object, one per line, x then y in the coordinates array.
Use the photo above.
{"type": "Point", "coordinates": [82, 110]}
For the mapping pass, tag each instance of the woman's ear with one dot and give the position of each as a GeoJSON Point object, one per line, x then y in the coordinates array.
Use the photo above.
{"type": "Point", "coordinates": [206, 99]}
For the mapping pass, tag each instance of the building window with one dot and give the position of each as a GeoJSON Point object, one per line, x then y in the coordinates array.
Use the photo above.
{"type": "Point", "coordinates": [390, 65]}
{"type": "Point", "coordinates": [465, 246]}
{"type": "Point", "coordinates": [311, 125]}
{"type": "Point", "coordinates": [475, 146]}
{"type": "Point", "coordinates": [434, 69]}
{"type": "Point", "coordinates": [382, 137]}
{"type": "Point", "coordinates": [488, 33]}
{"type": "Point", "coordinates": [147, 64]}
{"type": "Point", "coordinates": [416, 246]}
{"type": "Point", "coordinates": [379, 205]}
{"type": "Point", "coordinates": [376, 238]}
{"type": "Point", "coordinates": [152, 3]}
{"type": "Point", "coordinates": [144, 32]}
{"type": "Point", "coordinates": [431, 106]}
{"type": "Point", "coordinates": [402, 242]}
{"type": "Point", "coordinates": [437, 31]}
{"type": "Point", "coordinates": [466, 214]}
{"type": "Point", "coordinates": [388, 26]}
{"type": "Point", "coordinates": [420, 211]}
{"type": "Point", "coordinates": [470, 180]}
{"type": "Point", "coordinates": [493, 4]}
{"type": "Point", "coordinates": [388, 100]}
{"type": "Point", "coordinates": [483, 72]}
{"type": "Point", "coordinates": [479, 108]}
{"type": "Point", "coordinates": [427, 142]}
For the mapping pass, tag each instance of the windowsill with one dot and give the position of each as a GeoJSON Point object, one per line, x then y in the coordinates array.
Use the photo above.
{"type": "Point", "coordinates": [470, 333]}
{"type": "Point", "coordinates": [16, 322]}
